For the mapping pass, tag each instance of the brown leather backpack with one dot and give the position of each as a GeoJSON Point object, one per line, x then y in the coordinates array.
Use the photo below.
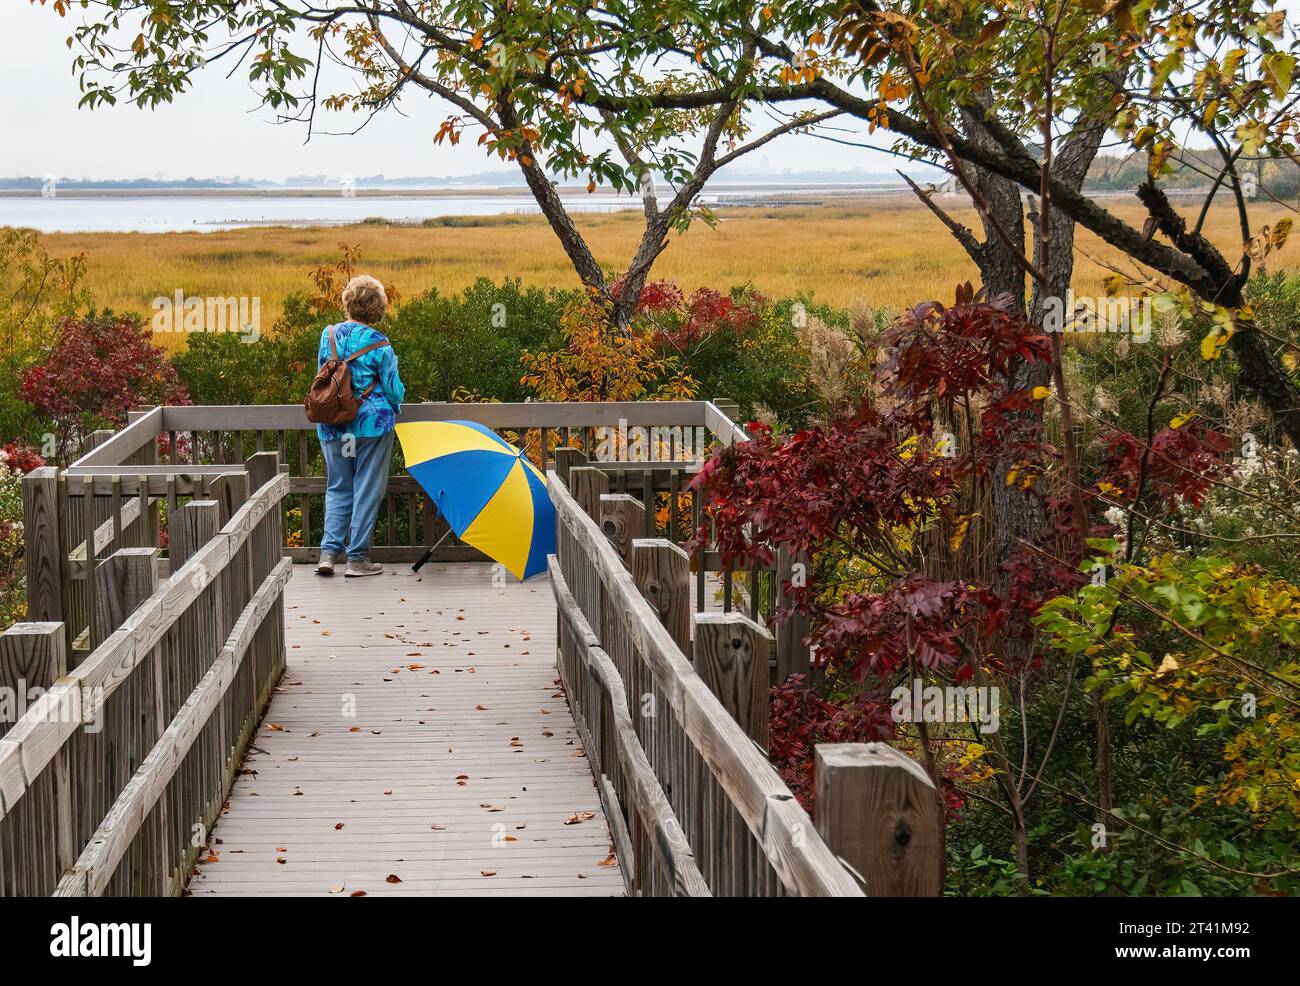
{"type": "Point", "coordinates": [330, 400]}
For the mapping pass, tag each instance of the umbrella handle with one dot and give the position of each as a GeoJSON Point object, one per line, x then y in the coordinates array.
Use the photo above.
{"type": "Point", "coordinates": [428, 552]}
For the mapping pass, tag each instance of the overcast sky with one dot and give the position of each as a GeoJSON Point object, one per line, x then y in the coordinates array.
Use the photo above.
{"type": "Point", "coordinates": [217, 129]}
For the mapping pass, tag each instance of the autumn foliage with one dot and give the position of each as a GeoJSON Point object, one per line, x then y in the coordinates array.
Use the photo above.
{"type": "Point", "coordinates": [98, 368]}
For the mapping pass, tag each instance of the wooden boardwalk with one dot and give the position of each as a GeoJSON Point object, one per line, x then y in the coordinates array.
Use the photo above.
{"type": "Point", "coordinates": [417, 745]}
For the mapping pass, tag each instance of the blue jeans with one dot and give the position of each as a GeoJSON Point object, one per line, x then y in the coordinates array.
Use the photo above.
{"type": "Point", "coordinates": [354, 490]}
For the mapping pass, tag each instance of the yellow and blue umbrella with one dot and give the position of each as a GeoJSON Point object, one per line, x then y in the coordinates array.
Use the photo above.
{"type": "Point", "coordinates": [491, 496]}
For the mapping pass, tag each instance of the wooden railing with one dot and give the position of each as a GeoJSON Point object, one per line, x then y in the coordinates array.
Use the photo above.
{"type": "Point", "coordinates": [110, 780]}
{"type": "Point", "coordinates": [672, 705]}
{"type": "Point", "coordinates": [126, 484]}
{"type": "Point", "coordinates": [667, 661]}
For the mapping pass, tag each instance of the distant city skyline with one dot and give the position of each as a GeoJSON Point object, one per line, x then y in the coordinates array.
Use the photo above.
{"type": "Point", "coordinates": [218, 129]}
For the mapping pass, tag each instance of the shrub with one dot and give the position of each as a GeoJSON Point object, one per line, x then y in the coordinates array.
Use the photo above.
{"type": "Point", "coordinates": [98, 368]}
{"type": "Point", "coordinates": [16, 460]}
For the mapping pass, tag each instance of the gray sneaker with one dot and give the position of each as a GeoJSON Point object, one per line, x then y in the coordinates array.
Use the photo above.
{"type": "Point", "coordinates": [360, 567]}
{"type": "Point", "coordinates": [326, 564]}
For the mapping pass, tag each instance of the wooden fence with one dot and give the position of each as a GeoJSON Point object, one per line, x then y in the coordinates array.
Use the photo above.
{"type": "Point", "coordinates": [672, 705]}
{"type": "Point", "coordinates": [110, 779]}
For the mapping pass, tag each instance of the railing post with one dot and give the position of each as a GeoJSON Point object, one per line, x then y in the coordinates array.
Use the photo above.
{"type": "Point", "coordinates": [878, 811]}
{"type": "Point", "coordinates": [731, 655]}
{"type": "Point", "coordinates": [262, 468]}
{"type": "Point", "coordinates": [622, 516]}
{"type": "Point", "coordinates": [35, 656]}
{"type": "Point", "coordinates": [728, 407]}
{"type": "Point", "coordinates": [148, 453]}
{"type": "Point", "coordinates": [662, 573]}
{"type": "Point", "coordinates": [588, 484]}
{"type": "Point", "coordinates": [792, 655]}
{"type": "Point", "coordinates": [565, 459]}
{"type": "Point", "coordinates": [124, 580]}
{"type": "Point", "coordinates": [230, 491]}
{"type": "Point", "coordinates": [189, 529]}
{"type": "Point", "coordinates": [32, 655]}
{"type": "Point", "coordinates": [95, 439]}
{"type": "Point", "coordinates": [42, 545]}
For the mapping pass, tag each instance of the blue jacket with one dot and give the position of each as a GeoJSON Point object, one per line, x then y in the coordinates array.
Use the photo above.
{"type": "Point", "coordinates": [378, 411]}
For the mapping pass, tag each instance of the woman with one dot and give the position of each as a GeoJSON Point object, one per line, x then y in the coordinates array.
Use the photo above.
{"type": "Point", "coordinates": [358, 452]}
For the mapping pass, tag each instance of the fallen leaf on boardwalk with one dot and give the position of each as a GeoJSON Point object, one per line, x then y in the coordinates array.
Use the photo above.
{"type": "Point", "coordinates": [317, 733]}
{"type": "Point", "coordinates": [489, 806]}
{"type": "Point", "coordinates": [460, 617]}
{"type": "Point", "coordinates": [510, 838]}
{"type": "Point", "coordinates": [377, 732]}
{"type": "Point", "coordinates": [297, 793]}
{"type": "Point", "coordinates": [281, 859]}
{"type": "Point", "coordinates": [315, 621]}
{"type": "Point", "coordinates": [281, 849]}
{"type": "Point", "coordinates": [291, 759]}
{"type": "Point", "coordinates": [355, 729]}
{"type": "Point", "coordinates": [580, 816]}
{"type": "Point", "coordinates": [275, 725]}
{"type": "Point", "coordinates": [212, 858]}
{"type": "Point", "coordinates": [608, 861]}
{"type": "Point", "coordinates": [462, 777]}
{"type": "Point", "coordinates": [481, 708]}
{"type": "Point", "coordinates": [545, 712]}
{"type": "Point", "coordinates": [325, 633]}
{"type": "Point", "coordinates": [522, 825]}
{"type": "Point", "coordinates": [438, 828]}
{"type": "Point", "coordinates": [393, 878]}
{"type": "Point", "coordinates": [357, 893]}
{"type": "Point", "coordinates": [337, 826]}
{"type": "Point", "coordinates": [582, 876]}
{"type": "Point", "coordinates": [547, 732]}
{"type": "Point", "coordinates": [416, 667]}
{"type": "Point", "coordinates": [337, 890]}
{"type": "Point", "coordinates": [488, 872]}
{"type": "Point", "coordinates": [389, 791]}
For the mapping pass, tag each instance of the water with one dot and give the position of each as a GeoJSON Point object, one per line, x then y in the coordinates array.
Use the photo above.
{"type": "Point", "coordinates": [86, 213]}
{"type": "Point", "coordinates": [90, 212]}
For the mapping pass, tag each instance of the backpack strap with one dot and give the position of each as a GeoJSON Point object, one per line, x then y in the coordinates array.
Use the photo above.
{"type": "Point", "coordinates": [334, 350]}
{"type": "Point", "coordinates": [361, 352]}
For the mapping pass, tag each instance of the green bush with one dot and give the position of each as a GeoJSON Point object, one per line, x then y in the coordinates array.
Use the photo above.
{"type": "Point", "coordinates": [470, 341]}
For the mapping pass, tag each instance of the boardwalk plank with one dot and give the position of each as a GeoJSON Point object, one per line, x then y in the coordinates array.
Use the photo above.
{"type": "Point", "coordinates": [437, 778]}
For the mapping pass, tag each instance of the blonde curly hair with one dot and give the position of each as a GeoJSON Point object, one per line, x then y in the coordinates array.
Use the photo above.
{"type": "Point", "coordinates": [365, 300]}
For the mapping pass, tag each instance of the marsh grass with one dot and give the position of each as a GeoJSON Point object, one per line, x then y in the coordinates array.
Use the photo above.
{"type": "Point", "coordinates": [890, 252]}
